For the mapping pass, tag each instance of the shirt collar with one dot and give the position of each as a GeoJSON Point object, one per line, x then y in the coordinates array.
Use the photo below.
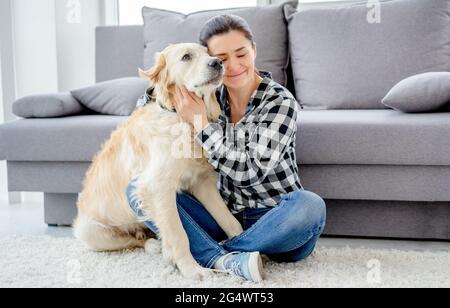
{"type": "Point", "coordinates": [255, 99]}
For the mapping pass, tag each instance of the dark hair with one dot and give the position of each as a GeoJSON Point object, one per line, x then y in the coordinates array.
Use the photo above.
{"type": "Point", "coordinates": [222, 24]}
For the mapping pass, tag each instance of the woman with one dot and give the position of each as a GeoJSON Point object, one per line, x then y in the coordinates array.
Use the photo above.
{"type": "Point", "coordinates": [259, 179]}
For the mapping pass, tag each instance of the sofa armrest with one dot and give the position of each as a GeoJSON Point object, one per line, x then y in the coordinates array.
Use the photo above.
{"type": "Point", "coordinates": [47, 106]}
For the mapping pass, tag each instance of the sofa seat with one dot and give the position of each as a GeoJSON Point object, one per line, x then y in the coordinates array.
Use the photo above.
{"type": "Point", "coordinates": [373, 137]}
{"type": "Point", "coordinates": [325, 137]}
{"type": "Point", "coordinates": [75, 139]}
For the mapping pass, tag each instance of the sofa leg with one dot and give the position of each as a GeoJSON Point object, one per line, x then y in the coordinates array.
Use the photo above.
{"type": "Point", "coordinates": [60, 209]}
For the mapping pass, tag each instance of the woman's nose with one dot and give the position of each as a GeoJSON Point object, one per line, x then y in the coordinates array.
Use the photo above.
{"type": "Point", "coordinates": [232, 66]}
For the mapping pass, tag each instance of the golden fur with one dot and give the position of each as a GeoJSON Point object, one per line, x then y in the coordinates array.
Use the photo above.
{"type": "Point", "coordinates": [157, 146]}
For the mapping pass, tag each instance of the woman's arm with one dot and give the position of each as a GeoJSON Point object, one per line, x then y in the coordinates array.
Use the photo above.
{"type": "Point", "coordinates": [249, 163]}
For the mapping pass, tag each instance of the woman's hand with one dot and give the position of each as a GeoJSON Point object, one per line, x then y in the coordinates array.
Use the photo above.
{"type": "Point", "coordinates": [191, 108]}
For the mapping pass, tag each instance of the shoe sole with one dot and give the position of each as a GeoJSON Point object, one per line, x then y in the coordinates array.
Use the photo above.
{"type": "Point", "coordinates": [257, 272]}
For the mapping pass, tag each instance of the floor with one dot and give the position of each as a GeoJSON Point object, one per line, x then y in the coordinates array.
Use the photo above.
{"type": "Point", "coordinates": [28, 219]}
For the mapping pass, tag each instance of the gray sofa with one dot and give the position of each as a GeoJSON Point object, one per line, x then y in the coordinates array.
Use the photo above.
{"type": "Point", "coordinates": [382, 173]}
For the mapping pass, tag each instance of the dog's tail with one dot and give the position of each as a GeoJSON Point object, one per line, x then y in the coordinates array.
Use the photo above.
{"type": "Point", "coordinates": [99, 237]}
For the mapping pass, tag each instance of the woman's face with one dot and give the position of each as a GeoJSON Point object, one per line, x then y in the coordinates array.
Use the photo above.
{"type": "Point", "coordinates": [238, 56]}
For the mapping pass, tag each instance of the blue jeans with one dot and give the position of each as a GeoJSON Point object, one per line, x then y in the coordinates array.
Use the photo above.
{"type": "Point", "coordinates": [287, 233]}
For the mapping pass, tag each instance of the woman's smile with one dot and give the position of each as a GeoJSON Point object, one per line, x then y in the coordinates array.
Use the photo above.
{"type": "Point", "coordinates": [236, 76]}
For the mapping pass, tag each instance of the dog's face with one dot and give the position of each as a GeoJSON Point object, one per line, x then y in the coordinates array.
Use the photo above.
{"type": "Point", "coordinates": [186, 65]}
{"type": "Point", "coordinates": [191, 66]}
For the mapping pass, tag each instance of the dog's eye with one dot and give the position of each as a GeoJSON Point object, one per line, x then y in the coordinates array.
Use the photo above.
{"type": "Point", "coordinates": [187, 57]}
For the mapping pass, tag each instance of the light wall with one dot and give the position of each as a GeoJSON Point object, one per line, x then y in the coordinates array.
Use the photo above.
{"type": "Point", "coordinates": [7, 60]}
{"type": "Point", "coordinates": [3, 187]}
{"type": "Point", "coordinates": [1, 92]}
{"type": "Point", "coordinates": [52, 52]}
{"type": "Point", "coordinates": [7, 87]}
{"type": "Point", "coordinates": [35, 46]}
{"type": "Point", "coordinates": [75, 39]}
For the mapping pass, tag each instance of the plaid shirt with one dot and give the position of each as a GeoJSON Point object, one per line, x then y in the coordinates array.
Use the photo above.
{"type": "Point", "coordinates": [256, 158]}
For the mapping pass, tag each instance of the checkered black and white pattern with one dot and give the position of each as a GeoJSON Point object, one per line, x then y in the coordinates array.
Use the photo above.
{"type": "Point", "coordinates": [256, 158]}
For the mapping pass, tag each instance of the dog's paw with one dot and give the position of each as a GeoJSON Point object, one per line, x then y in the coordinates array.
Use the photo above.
{"type": "Point", "coordinates": [195, 272]}
{"type": "Point", "coordinates": [153, 247]}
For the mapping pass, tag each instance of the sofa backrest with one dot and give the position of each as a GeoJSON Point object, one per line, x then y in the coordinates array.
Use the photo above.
{"type": "Point", "coordinates": [120, 49]}
{"type": "Point", "coordinates": [350, 57]}
{"type": "Point", "coordinates": [119, 52]}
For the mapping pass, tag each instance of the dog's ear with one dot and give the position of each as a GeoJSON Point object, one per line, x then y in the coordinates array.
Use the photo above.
{"type": "Point", "coordinates": [167, 95]}
{"type": "Point", "coordinates": [155, 73]}
{"type": "Point", "coordinates": [159, 78]}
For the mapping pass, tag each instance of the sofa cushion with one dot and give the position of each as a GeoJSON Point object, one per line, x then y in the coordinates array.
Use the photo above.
{"type": "Point", "coordinates": [373, 137]}
{"type": "Point", "coordinates": [47, 106]}
{"type": "Point", "coordinates": [341, 61]}
{"type": "Point", "coordinates": [420, 93]}
{"type": "Point", "coordinates": [268, 24]}
{"type": "Point", "coordinates": [114, 97]}
{"type": "Point", "coordinates": [383, 137]}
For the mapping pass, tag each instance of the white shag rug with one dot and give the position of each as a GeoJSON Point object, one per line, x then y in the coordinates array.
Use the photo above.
{"type": "Point", "coordinates": [43, 261]}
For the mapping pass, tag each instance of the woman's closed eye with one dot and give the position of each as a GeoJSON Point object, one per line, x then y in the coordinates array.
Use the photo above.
{"type": "Point", "coordinates": [239, 56]}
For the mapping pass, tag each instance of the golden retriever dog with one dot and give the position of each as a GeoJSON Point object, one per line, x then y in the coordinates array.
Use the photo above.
{"type": "Point", "coordinates": [147, 146]}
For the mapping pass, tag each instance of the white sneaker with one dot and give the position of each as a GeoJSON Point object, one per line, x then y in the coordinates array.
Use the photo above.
{"type": "Point", "coordinates": [247, 265]}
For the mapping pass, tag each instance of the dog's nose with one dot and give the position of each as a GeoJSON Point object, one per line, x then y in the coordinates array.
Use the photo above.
{"type": "Point", "coordinates": [216, 64]}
